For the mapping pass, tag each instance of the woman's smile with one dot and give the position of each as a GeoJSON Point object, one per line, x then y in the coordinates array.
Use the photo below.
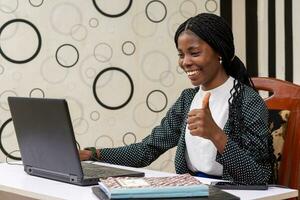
{"type": "Point", "coordinates": [193, 74]}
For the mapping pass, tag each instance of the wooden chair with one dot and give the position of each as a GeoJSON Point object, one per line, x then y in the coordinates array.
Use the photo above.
{"type": "Point", "coordinates": [285, 96]}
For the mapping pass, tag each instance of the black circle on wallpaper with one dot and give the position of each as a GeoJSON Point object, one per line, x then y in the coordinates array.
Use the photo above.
{"type": "Point", "coordinates": [148, 12]}
{"type": "Point", "coordinates": [112, 15]}
{"type": "Point", "coordinates": [57, 57]}
{"type": "Point", "coordinates": [95, 87]}
{"type": "Point", "coordinates": [36, 3]}
{"type": "Point", "coordinates": [211, 6]}
{"type": "Point", "coordinates": [38, 35]}
{"type": "Point", "coordinates": [128, 48]}
{"type": "Point", "coordinates": [37, 92]}
{"type": "Point", "coordinates": [1, 145]}
{"type": "Point", "coordinates": [153, 93]}
{"type": "Point", "coordinates": [126, 135]}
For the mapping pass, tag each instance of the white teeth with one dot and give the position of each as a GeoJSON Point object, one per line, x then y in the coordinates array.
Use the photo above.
{"type": "Point", "coordinates": [190, 73]}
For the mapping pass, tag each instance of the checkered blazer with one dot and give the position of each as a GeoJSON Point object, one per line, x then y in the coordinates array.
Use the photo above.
{"type": "Point", "coordinates": [245, 158]}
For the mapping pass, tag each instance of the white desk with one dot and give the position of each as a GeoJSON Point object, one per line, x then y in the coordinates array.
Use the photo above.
{"type": "Point", "coordinates": [13, 179]}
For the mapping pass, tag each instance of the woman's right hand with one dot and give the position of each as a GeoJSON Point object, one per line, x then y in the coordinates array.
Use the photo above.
{"type": "Point", "coordinates": [85, 154]}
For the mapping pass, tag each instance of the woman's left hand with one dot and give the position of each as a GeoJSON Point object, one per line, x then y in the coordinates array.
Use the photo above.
{"type": "Point", "coordinates": [200, 121]}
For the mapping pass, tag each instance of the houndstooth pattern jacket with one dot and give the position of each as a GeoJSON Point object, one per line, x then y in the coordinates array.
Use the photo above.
{"type": "Point", "coordinates": [246, 157]}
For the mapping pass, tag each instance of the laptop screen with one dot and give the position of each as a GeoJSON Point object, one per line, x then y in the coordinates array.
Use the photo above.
{"type": "Point", "coordinates": [45, 134]}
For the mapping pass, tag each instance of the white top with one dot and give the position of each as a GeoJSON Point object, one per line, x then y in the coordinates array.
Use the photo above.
{"type": "Point", "coordinates": [200, 152]}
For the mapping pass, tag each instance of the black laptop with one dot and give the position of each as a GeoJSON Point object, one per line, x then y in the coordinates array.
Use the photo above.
{"type": "Point", "coordinates": [47, 143]}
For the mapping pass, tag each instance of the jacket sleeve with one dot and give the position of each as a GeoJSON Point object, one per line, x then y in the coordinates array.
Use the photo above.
{"type": "Point", "coordinates": [162, 138]}
{"type": "Point", "coordinates": [246, 157]}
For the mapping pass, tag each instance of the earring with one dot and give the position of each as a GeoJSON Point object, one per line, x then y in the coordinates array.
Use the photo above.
{"type": "Point", "coordinates": [221, 61]}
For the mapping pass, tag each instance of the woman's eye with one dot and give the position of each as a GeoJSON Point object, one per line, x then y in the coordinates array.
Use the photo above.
{"type": "Point", "coordinates": [180, 55]}
{"type": "Point", "coordinates": [195, 53]}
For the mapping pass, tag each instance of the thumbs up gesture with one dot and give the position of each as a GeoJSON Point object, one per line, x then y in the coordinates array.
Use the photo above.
{"type": "Point", "coordinates": [200, 121]}
{"type": "Point", "coordinates": [205, 101]}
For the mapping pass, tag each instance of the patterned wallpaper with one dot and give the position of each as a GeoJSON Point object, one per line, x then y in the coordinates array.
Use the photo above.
{"type": "Point", "coordinates": [113, 61]}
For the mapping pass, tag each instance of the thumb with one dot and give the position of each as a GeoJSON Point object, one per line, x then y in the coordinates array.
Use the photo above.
{"type": "Point", "coordinates": [205, 101]}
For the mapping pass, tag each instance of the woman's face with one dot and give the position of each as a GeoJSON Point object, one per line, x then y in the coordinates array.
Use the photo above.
{"type": "Point", "coordinates": [200, 62]}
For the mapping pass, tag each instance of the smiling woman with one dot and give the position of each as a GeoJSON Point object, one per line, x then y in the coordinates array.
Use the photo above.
{"type": "Point", "coordinates": [220, 126]}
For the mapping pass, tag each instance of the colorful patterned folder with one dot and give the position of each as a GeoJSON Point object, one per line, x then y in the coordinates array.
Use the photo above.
{"type": "Point", "coordinates": [153, 187]}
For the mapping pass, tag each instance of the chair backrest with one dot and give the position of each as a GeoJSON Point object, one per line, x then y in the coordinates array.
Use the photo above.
{"type": "Point", "coordinates": [285, 96]}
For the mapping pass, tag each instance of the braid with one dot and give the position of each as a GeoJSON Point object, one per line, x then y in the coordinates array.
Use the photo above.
{"type": "Point", "coordinates": [215, 31]}
{"type": "Point", "coordinates": [241, 78]}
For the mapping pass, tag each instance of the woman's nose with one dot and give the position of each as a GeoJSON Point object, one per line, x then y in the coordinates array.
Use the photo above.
{"type": "Point", "coordinates": [186, 61]}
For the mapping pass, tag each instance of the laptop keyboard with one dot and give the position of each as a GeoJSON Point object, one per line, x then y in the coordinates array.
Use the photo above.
{"type": "Point", "coordinates": [93, 170]}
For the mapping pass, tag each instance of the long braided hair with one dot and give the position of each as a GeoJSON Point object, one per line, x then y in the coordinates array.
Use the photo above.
{"type": "Point", "coordinates": [215, 31]}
